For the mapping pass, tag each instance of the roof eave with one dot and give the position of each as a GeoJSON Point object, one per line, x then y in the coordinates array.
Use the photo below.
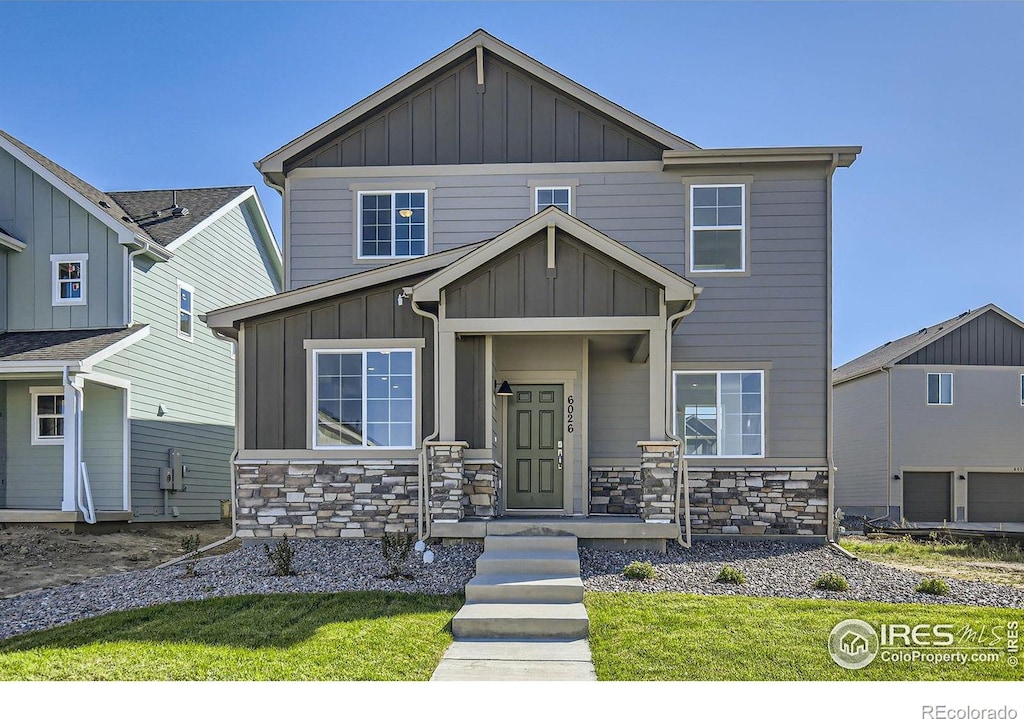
{"type": "Point", "coordinates": [845, 156]}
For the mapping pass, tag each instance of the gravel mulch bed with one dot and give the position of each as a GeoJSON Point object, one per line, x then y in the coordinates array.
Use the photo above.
{"type": "Point", "coordinates": [779, 569]}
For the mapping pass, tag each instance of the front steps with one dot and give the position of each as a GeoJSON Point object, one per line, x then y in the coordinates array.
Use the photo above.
{"type": "Point", "coordinates": [526, 587]}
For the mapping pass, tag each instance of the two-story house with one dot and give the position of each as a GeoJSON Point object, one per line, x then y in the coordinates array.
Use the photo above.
{"type": "Point", "coordinates": [930, 427]}
{"type": "Point", "coordinates": [116, 404]}
{"type": "Point", "coordinates": [510, 297]}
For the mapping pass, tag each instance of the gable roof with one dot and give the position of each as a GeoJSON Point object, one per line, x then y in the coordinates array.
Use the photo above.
{"type": "Point", "coordinates": [892, 352]}
{"type": "Point", "coordinates": [151, 209]}
{"type": "Point", "coordinates": [10, 241]}
{"type": "Point", "coordinates": [65, 347]}
{"type": "Point", "coordinates": [676, 287]}
{"type": "Point", "coordinates": [272, 166]}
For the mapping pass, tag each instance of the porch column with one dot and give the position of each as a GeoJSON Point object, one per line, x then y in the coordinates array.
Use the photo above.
{"type": "Point", "coordinates": [68, 503]}
{"type": "Point", "coordinates": [446, 385]}
{"type": "Point", "coordinates": [658, 391]}
{"type": "Point", "coordinates": [657, 481]}
{"type": "Point", "coordinates": [445, 476]}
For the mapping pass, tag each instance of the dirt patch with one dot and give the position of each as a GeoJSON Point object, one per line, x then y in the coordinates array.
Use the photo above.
{"type": "Point", "coordinates": [37, 557]}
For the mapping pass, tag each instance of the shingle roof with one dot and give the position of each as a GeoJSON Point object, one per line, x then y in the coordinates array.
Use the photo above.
{"type": "Point", "coordinates": [166, 227]}
{"type": "Point", "coordinates": [60, 345]}
{"type": "Point", "coordinates": [896, 350]}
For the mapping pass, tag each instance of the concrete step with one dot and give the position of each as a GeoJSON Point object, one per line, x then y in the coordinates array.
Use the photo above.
{"type": "Point", "coordinates": [518, 543]}
{"type": "Point", "coordinates": [520, 621]}
{"type": "Point", "coordinates": [559, 563]}
{"type": "Point", "coordinates": [525, 588]}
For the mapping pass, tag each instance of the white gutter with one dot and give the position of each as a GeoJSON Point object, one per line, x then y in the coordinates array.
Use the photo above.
{"type": "Point", "coordinates": [424, 516]}
{"type": "Point", "coordinates": [81, 474]}
{"type": "Point", "coordinates": [129, 282]}
{"type": "Point", "coordinates": [682, 469]}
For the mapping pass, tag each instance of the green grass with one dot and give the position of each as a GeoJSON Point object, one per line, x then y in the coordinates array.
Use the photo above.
{"type": "Point", "coordinates": [350, 636]}
{"type": "Point", "coordinates": [679, 637]}
{"type": "Point", "coordinates": [938, 548]}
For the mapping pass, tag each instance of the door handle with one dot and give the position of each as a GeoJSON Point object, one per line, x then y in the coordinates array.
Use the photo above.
{"type": "Point", "coordinates": [559, 454]}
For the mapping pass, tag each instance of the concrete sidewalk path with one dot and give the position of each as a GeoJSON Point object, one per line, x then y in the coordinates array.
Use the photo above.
{"type": "Point", "coordinates": [492, 660]}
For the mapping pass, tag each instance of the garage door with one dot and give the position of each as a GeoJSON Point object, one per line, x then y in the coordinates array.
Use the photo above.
{"type": "Point", "coordinates": [926, 496]}
{"type": "Point", "coordinates": [995, 497]}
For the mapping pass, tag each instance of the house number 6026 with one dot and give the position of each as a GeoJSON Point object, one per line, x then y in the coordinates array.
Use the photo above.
{"type": "Point", "coordinates": [569, 410]}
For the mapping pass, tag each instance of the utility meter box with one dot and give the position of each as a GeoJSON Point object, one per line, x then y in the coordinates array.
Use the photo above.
{"type": "Point", "coordinates": [173, 477]}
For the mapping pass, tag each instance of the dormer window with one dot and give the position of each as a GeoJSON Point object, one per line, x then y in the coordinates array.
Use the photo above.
{"type": "Point", "coordinates": [69, 279]}
{"type": "Point", "coordinates": [392, 224]}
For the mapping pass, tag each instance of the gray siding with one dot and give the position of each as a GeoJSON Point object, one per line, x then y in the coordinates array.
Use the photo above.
{"type": "Point", "coordinates": [989, 339]}
{"type": "Point", "coordinates": [861, 417]}
{"type": "Point", "coordinates": [35, 473]}
{"type": "Point", "coordinates": [618, 396]}
{"type": "Point", "coordinates": [103, 445]}
{"type": "Point", "coordinates": [193, 381]}
{"type": "Point", "coordinates": [445, 120]}
{"type": "Point", "coordinates": [275, 360]}
{"type": "Point", "coordinates": [3, 444]}
{"type": "Point", "coordinates": [49, 222]}
{"type": "Point", "coordinates": [984, 427]}
{"type": "Point", "coordinates": [3, 292]}
{"type": "Point", "coordinates": [470, 420]}
{"type": "Point", "coordinates": [587, 284]}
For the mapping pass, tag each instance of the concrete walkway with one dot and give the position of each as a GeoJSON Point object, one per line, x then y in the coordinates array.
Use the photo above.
{"type": "Point", "coordinates": [492, 660]}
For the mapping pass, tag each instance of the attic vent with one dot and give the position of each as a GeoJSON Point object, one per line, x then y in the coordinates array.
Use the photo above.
{"type": "Point", "coordinates": [963, 314]}
{"type": "Point", "coordinates": [922, 330]}
{"type": "Point", "coordinates": [103, 203]}
{"type": "Point", "coordinates": [887, 343]}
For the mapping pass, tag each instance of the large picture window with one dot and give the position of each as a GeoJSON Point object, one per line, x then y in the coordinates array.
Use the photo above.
{"type": "Point", "coordinates": [717, 232]}
{"type": "Point", "coordinates": [363, 398]}
{"type": "Point", "coordinates": [720, 414]}
{"type": "Point", "coordinates": [392, 224]}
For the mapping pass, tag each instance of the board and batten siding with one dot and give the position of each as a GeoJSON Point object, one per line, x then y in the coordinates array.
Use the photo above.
{"type": "Point", "coordinates": [35, 473]}
{"type": "Point", "coordinates": [193, 381]}
{"type": "Point", "coordinates": [860, 424]}
{"type": "Point", "coordinates": [103, 445]}
{"type": "Point", "coordinates": [3, 444]}
{"type": "Point", "coordinates": [275, 360]}
{"type": "Point", "coordinates": [447, 120]}
{"type": "Point", "coordinates": [988, 340]}
{"type": "Point", "coordinates": [50, 222]}
{"type": "Point", "coordinates": [3, 291]}
{"type": "Point", "coordinates": [984, 427]}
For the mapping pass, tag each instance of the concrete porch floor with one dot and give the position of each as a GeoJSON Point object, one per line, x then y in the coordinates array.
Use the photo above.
{"type": "Point", "coordinates": [593, 527]}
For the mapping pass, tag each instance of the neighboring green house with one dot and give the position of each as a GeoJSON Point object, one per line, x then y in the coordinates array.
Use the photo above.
{"type": "Point", "coordinates": [116, 403]}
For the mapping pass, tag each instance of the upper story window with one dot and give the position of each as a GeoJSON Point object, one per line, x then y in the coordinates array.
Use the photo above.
{"type": "Point", "coordinates": [47, 415]}
{"type": "Point", "coordinates": [720, 414]}
{"type": "Point", "coordinates": [69, 279]}
{"type": "Point", "coordinates": [940, 388]}
{"type": "Point", "coordinates": [717, 228]}
{"type": "Point", "coordinates": [186, 311]}
{"type": "Point", "coordinates": [363, 398]}
{"type": "Point", "coordinates": [393, 224]}
{"type": "Point", "coordinates": [560, 197]}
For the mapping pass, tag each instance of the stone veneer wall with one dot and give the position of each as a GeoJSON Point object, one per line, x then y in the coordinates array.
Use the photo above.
{"type": "Point", "coordinates": [480, 488]}
{"type": "Point", "coordinates": [614, 490]}
{"type": "Point", "coordinates": [343, 498]}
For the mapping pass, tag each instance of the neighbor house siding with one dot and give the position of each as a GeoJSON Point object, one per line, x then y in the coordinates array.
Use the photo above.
{"type": "Point", "coordinates": [103, 445]}
{"type": "Point", "coordinates": [49, 222]}
{"type": "Point", "coordinates": [35, 473]}
{"type": "Point", "coordinates": [192, 381]}
{"type": "Point", "coordinates": [3, 291]}
{"type": "Point", "coordinates": [861, 413]}
{"type": "Point", "coordinates": [989, 340]}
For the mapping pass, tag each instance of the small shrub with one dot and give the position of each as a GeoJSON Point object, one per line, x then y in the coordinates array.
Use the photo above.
{"type": "Point", "coordinates": [831, 582]}
{"type": "Point", "coordinates": [190, 544]}
{"type": "Point", "coordinates": [933, 585]}
{"type": "Point", "coordinates": [395, 546]}
{"type": "Point", "coordinates": [639, 570]}
{"type": "Point", "coordinates": [280, 556]}
{"type": "Point", "coordinates": [730, 575]}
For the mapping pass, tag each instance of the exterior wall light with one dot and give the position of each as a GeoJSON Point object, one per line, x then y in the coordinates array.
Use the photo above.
{"type": "Point", "coordinates": [504, 390]}
{"type": "Point", "coordinates": [895, 478]}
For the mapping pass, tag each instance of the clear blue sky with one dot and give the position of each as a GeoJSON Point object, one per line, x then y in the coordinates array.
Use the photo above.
{"type": "Point", "coordinates": [929, 221]}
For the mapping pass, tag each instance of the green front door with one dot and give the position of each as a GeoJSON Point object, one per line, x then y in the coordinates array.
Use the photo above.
{"type": "Point", "coordinates": [535, 447]}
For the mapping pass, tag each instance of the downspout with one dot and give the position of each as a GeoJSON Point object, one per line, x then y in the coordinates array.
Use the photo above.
{"type": "Point", "coordinates": [81, 476]}
{"type": "Point", "coordinates": [831, 531]}
{"type": "Point", "coordinates": [231, 473]}
{"type": "Point", "coordinates": [423, 516]}
{"type": "Point", "coordinates": [682, 470]}
{"type": "Point", "coordinates": [129, 281]}
{"type": "Point", "coordinates": [888, 445]}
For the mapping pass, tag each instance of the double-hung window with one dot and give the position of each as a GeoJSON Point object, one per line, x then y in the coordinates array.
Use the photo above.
{"type": "Point", "coordinates": [717, 228]}
{"type": "Point", "coordinates": [720, 414]}
{"type": "Point", "coordinates": [363, 398]}
{"type": "Point", "coordinates": [47, 415]}
{"type": "Point", "coordinates": [69, 279]}
{"type": "Point", "coordinates": [940, 388]}
{"type": "Point", "coordinates": [186, 311]}
{"type": "Point", "coordinates": [560, 197]}
{"type": "Point", "coordinates": [393, 224]}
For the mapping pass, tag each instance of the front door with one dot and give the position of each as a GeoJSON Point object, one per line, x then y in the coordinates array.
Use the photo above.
{"type": "Point", "coordinates": [535, 447]}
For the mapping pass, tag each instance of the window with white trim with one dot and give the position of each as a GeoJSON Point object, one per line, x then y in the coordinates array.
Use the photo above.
{"type": "Point", "coordinates": [717, 228]}
{"type": "Point", "coordinates": [560, 197]}
{"type": "Point", "coordinates": [940, 388]}
{"type": "Point", "coordinates": [69, 279]}
{"type": "Point", "coordinates": [720, 414]}
{"type": "Point", "coordinates": [186, 311]}
{"type": "Point", "coordinates": [363, 398]}
{"type": "Point", "coordinates": [393, 224]}
{"type": "Point", "coordinates": [47, 415]}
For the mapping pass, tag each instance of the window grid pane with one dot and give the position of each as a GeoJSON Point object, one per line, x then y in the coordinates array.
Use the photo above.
{"type": "Point", "coordinates": [49, 416]}
{"type": "Point", "coordinates": [717, 226]}
{"type": "Point", "coordinates": [553, 197]}
{"type": "Point", "coordinates": [719, 414]}
{"type": "Point", "coordinates": [393, 224]}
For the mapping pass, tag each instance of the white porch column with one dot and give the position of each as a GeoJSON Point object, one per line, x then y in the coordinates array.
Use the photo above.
{"type": "Point", "coordinates": [446, 385]}
{"type": "Point", "coordinates": [658, 391]}
{"type": "Point", "coordinates": [70, 450]}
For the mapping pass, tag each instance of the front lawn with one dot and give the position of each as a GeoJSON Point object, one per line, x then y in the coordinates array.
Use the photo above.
{"type": "Point", "coordinates": [332, 637]}
{"type": "Point", "coordinates": [680, 637]}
